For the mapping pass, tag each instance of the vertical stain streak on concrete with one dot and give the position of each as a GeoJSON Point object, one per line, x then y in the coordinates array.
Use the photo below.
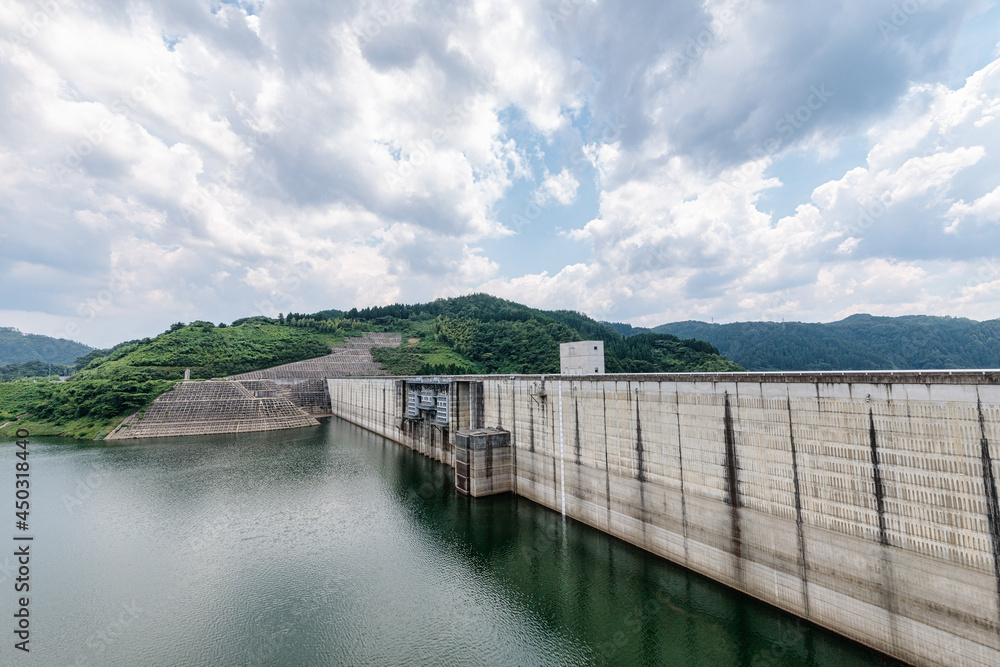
{"type": "Point", "coordinates": [680, 460]}
{"type": "Point", "coordinates": [803, 569]}
{"type": "Point", "coordinates": [531, 427]}
{"type": "Point", "coordinates": [628, 425]}
{"type": "Point", "coordinates": [562, 459]}
{"type": "Point", "coordinates": [479, 420]}
{"type": "Point", "coordinates": [576, 428]}
{"type": "Point", "coordinates": [607, 466]}
{"type": "Point", "coordinates": [733, 488]}
{"type": "Point", "coordinates": [489, 467]}
{"type": "Point", "coordinates": [555, 457]}
{"type": "Point", "coordinates": [883, 533]}
{"type": "Point", "coordinates": [513, 435]}
{"type": "Point", "coordinates": [888, 590]}
{"type": "Point", "coordinates": [499, 412]}
{"type": "Point", "coordinates": [990, 488]}
{"type": "Point", "coordinates": [641, 475]}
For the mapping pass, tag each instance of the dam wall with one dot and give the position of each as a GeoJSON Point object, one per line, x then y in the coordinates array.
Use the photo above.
{"type": "Point", "coordinates": [863, 502]}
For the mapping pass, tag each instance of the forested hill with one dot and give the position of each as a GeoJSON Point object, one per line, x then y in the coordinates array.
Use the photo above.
{"type": "Point", "coordinates": [475, 334]}
{"type": "Point", "coordinates": [485, 334]}
{"type": "Point", "coordinates": [859, 342]}
{"type": "Point", "coordinates": [18, 348]}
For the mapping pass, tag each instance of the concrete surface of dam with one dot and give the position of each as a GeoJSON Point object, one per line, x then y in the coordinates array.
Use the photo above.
{"type": "Point", "coordinates": [863, 502]}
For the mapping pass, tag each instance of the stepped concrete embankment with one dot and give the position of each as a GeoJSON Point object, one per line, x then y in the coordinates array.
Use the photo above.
{"type": "Point", "coordinates": [864, 502]}
{"type": "Point", "coordinates": [286, 396]}
{"type": "Point", "coordinates": [202, 408]}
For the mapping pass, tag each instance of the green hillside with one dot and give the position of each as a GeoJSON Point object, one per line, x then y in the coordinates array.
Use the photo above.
{"type": "Point", "coordinates": [32, 369]}
{"type": "Point", "coordinates": [18, 348]}
{"type": "Point", "coordinates": [111, 384]}
{"type": "Point", "coordinates": [485, 334]}
{"type": "Point", "coordinates": [466, 335]}
{"type": "Point", "coordinates": [474, 334]}
{"type": "Point", "coordinates": [859, 342]}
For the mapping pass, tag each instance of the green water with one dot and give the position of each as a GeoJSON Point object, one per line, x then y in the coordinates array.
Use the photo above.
{"type": "Point", "coordinates": [333, 546]}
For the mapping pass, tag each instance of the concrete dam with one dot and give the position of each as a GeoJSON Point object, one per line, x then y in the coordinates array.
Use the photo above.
{"type": "Point", "coordinates": [864, 502]}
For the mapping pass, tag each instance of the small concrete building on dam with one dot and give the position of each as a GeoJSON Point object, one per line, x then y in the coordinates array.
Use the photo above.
{"type": "Point", "coordinates": [865, 502]}
{"type": "Point", "coordinates": [585, 357]}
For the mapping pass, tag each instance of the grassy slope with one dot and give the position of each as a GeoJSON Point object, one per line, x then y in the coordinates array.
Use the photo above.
{"type": "Point", "coordinates": [211, 351]}
{"type": "Point", "coordinates": [420, 353]}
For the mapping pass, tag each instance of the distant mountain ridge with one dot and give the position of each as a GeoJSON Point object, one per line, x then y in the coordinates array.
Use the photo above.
{"type": "Point", "coordinates": [18, 348]}
{"type": "Point", "coordinates": [858, 342]}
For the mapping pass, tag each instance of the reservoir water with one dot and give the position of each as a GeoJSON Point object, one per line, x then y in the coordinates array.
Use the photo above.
{"type": "Point", "coordinates": [334, 546]}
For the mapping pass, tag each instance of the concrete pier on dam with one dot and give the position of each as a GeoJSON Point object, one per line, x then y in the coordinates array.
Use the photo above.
{"type": "Point", "coordinates": [864, 502]}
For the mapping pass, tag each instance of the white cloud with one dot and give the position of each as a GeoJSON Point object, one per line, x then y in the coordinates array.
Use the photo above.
{"type": "Point", "coordinates": [874, 238]}
{"type": "Point", "coordinates": [561, 187]}
{"type": "Point", "coordinates": [984, 209]}
{"type": "Point", "coordinates": [194, 164]}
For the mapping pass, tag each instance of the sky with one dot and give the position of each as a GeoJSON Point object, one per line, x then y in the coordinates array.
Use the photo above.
{"type": "Point", "coordinates": [641, 162]}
